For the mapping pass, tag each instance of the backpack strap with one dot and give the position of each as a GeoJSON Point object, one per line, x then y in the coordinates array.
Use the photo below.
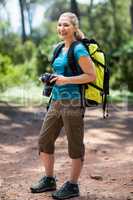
{"type": "Point", "coordinates": [73, 66]}
{"type": "Point", "coordinates": [97, 62]}
{"type": "Point", "coordinates": [57, 50]}
{"type": "Point", "coordinates": [106, 92]}
{"type": "Point", "coordinates": [71, 58]}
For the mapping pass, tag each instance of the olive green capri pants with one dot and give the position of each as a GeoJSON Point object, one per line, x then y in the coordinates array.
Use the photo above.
{"type": "Point", "coordinates": [67, 113]}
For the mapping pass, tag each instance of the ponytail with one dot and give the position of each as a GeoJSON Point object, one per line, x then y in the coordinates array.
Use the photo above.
{"type": "Point", "coordinates": [79, 35]}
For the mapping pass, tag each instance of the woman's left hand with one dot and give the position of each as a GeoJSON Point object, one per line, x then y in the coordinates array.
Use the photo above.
{"type": "Point", "coordinates": [60, 80]}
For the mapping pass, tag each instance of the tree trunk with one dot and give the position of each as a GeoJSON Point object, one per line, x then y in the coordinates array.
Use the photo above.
{"type": "Point", "coordinates": [74, 8]}
{"type": "Point", "coordinates": [116, 23]}
{"type": "Point", "coordinates": [90, 16]}
{"type": "Point", "coordinates": [21, 4]}
{"type": "Point", "coordinates": [3, 3]}
{"type": "Point", "coordinates": [131, 14]}
{"type": "Point", "coordinates": [29, 17]}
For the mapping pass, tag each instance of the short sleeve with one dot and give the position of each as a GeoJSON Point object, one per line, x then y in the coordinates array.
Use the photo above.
{"type": "Point", "coordinates": [80, 51]}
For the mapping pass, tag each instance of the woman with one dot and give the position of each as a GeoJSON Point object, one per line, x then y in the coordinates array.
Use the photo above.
{"type": "Point", "coordinates": [65, 110]}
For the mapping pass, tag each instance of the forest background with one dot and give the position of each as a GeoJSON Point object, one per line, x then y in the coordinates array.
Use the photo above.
{"type": "Point", "coordinates": [25, 54]}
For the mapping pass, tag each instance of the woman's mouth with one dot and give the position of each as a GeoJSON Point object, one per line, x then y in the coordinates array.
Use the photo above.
{"type": "Point", "coordinates": [63, 34]}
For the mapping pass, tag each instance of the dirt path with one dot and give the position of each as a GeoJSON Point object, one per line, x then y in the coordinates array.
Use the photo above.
{"type": "Point", "coordinates": [108, 167]}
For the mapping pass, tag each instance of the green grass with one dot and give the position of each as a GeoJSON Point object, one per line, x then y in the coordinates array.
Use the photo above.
{"type": "Point", "coordinates": [31, 95]}
{"type": "Point", "coordinates": [121, 96]}
{"type": "Point", "coordinates": [26, 95]}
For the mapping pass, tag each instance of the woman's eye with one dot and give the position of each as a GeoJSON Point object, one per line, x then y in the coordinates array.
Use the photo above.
{"type": "Point", "coordinates": [65, 25]}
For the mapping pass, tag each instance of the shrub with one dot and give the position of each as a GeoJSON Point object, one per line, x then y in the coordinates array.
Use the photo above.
{"type": "Point", "coordinates": [15, 75]}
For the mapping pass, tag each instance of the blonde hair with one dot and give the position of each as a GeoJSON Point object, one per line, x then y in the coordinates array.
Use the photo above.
{"type": "Point", "coordinates": [75, 22]}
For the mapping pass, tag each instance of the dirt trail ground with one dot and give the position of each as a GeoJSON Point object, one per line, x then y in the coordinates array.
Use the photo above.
{"type": "Point", "coordinates": [108, 167]}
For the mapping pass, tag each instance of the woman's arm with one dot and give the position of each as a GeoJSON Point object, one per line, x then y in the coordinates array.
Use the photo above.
{"type": "Point", "coordinates": [88, 75]}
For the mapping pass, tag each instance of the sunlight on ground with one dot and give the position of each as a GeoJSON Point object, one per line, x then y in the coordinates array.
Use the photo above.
{"type": "Point", "coordinates": [13, 149]}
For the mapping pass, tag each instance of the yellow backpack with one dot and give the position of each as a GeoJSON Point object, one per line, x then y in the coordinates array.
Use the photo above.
{"type": "Point", "coordinates": [92, 92]}
{"type": "Point", "coordinates": [96, 92]}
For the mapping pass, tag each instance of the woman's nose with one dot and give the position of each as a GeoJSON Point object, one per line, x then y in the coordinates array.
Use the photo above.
{"type": "Point", "coordinates": [62, 28]}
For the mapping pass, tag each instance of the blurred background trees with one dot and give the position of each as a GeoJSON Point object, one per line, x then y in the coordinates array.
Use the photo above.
{"type": "Point", "coordinates": [25, 53]}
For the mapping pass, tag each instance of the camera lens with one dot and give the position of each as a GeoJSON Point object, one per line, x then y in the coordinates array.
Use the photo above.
{"type": "Point", "coordinates": [47, 90]}
{"type": "Point", "coordinates": [45, 78]}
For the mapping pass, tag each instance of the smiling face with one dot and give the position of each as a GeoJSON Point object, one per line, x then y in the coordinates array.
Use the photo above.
{"type": "Point", "coordinates": [65, 28]}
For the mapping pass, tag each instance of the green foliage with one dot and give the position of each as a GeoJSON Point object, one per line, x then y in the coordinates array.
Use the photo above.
{"type": "Point", "coordinates": [15, 75]}
{"type": "Point", "coordinates": [8, 44]}
{"type": "Point", "coordinates": [5, 71]}
{"type": "Point", "coordinates": [4, 28]}
{"type": "Point", "coordinates": [23, 52]}
{"type": "Point", "coordinates": [17, 61]}
{"type": "Point", "coordinates": [19, 53]}
{"type": "Point", "coordinates": [42, 62]}
{"type": "Point", "coordinates": [45, 52]}
{"type": "Point", "coordinates": [123, 71]}
{"type": "Point", "coordinates": [108, 22]}
{"type": "Point", "coordinates": [56, 8]}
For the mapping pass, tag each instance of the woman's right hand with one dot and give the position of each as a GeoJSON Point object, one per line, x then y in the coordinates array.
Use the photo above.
{"type": "Point", "coordinates": [60, 80]}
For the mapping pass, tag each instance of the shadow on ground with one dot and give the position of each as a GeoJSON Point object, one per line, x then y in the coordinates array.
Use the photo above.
{"type": "Point", "coordinates": [17, 119]}
{"type": "Point", "coordinates": [108, 152]}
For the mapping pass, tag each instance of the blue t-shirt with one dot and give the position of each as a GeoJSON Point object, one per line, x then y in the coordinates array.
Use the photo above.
{"type": "Point", "coordinates": [61, 67]}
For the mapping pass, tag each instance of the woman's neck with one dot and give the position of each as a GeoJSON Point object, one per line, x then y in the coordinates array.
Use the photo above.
{"type": "Point", "coordinates": [68, 42]}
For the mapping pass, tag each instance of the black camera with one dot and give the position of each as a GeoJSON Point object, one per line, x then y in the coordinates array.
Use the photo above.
{"type": "Point", "coordinates": [46, 78]}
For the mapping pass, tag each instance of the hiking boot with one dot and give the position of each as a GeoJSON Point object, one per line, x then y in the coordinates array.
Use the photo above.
{"type": "Point", "coordinates": [44, 184]}
{"type": "Point", "coordinates": [68, 190]}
